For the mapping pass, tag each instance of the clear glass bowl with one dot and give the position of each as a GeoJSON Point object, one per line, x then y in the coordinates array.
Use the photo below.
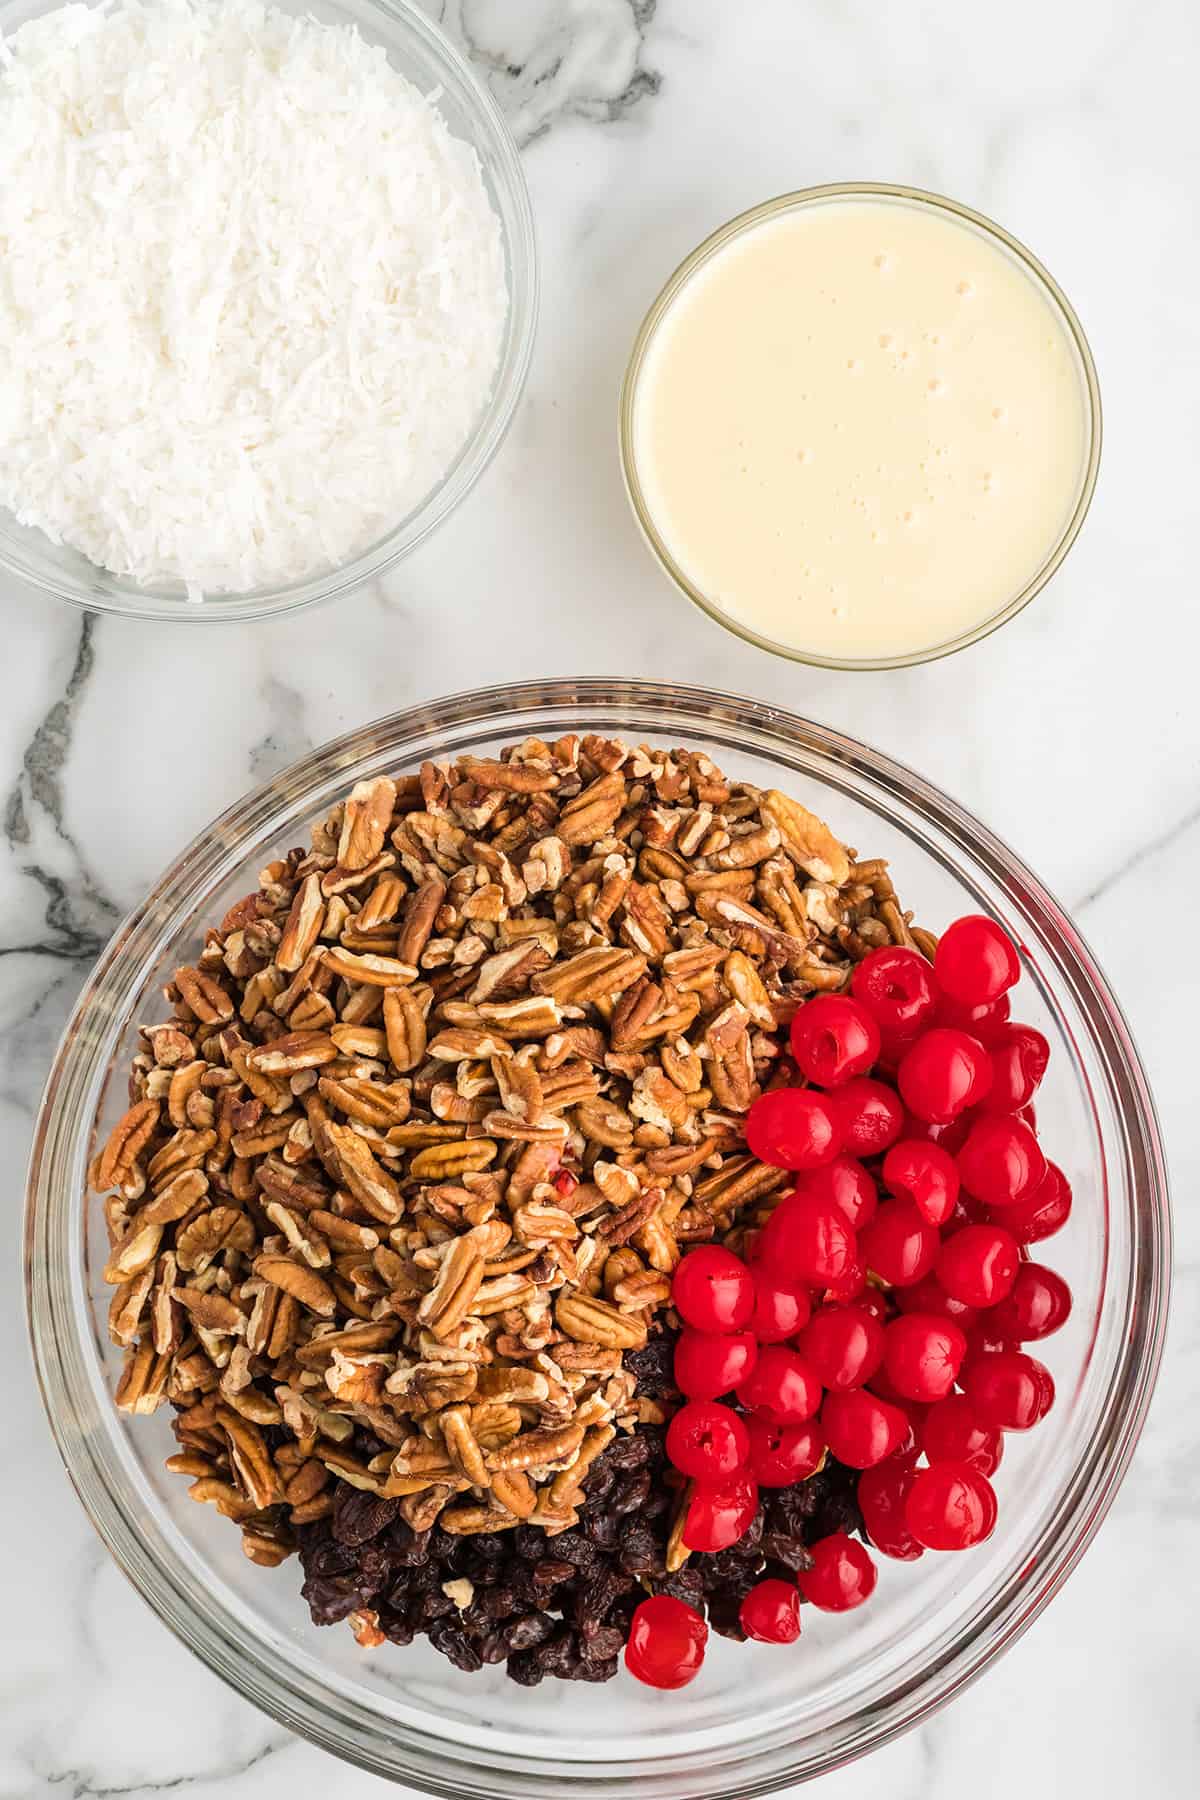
{"type": "Point", "coordinates": [425, 56]}
{"type": "Point", "coordinates": [757, 1718]}
{"type": "Point", "coordinates": [838, 192]}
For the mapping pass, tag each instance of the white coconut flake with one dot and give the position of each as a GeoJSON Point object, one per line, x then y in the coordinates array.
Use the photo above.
{"type": "Point", "coordinates": [252, 290]}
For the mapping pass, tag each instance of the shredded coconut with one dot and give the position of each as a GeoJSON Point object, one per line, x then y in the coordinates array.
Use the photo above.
{"type": "Point", "coordinates": [252, 290]}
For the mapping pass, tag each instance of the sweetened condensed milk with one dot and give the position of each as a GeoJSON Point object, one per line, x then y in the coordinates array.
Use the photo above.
{"type": "Point", "coordinates": [861, 427]}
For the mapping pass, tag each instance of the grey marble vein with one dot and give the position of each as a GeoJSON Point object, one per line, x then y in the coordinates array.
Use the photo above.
{"type": "Point", "coordinates": [75, 910]}
{"type": "Point", "coordinates": [286, 737]}
{"type": "Point", "coordinates": [1135, 860]}
{"type": "Point", "coordinates": [84, 1784]}
{"type": "Point", "coordinates": [554, 61]}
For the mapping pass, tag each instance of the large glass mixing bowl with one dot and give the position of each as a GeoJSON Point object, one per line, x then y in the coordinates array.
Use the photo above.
{"type": "Point", "coordinates": [757, 1718]}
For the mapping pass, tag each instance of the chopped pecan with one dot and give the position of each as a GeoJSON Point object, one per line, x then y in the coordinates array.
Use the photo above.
{"type": "Point", "coordinates": [127, 1141]}
{"type": "Point", "coordinates": [807, 838]}
{"type": "Point", "coordinates": [366, 1178]}
{"type": "Point", "coordinates": [210, 1234]}
{"type": "Point", "coordinates": [303, 1284]}
{"type": "Point", "coordinates": [591, 1321]}
{"type": "Point", "coordinates": [365, 820]}
{"type": "Point", "coordinates": [452, 1296]}
{"type": "Point", "coordinates": [203, 996]}
{"type": "Point", "coordinates": [303, 927]}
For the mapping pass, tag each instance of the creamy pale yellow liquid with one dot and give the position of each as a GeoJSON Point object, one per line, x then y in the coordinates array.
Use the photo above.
{"type": "Point", "coordinates": [861, 428]}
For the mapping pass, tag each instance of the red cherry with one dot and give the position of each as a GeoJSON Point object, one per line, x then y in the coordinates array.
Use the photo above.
{"type": "Point", "coordinates": [870, 1115]}
{"type": "Point", "coordinates": [943, 1074]}
{"type": "Point", "coordinates": [1001, 1161]}
{"type": "Point", "coordinates": [842, 1575]}
{"type": "Point", "coordinates": [707, 1441]}
{"type": "Point", "coordinates": [1043, 1212]}
{"type": "Point", "coordinates": [896, 986]}
{"type": "Point", "coordinates": [665, 1647]}
{"type": "Point", "coordinates": [925, 1174]}
{"type": "Point", "coordinates": [807, 1240]}
{"type": "Point", "coordinates": [844, 1183]}
{"type": "Point", "coordinates": [781, 1308]}
{"type": "Point", "coordinates": [979, 1264]}
{"type": "Point", "coordinates": [713, 1289]}
{"type": "Point", "coordinates": [882, 1492]}
{"type": "Point", "coordinates": [1009, 1389]}
{"type": "Point", "coordinates": [709, 1364]}
{"type": "Point", "coordinates": [1039, 1303]}
{"type": "Point", "coordinates": [844, 1344]}
{"type": "Point", "coordinates": [793, 1128]}
{"type": "Point", "coordinates": [899, 1245]}
{"type": "Point", "coordinates": [720, 1512]}
{"type": "Point", "coordinates": [861, 1429]}
{"type": "Point", "coordinates": [782, 1455]}
{"type": "Point", "coordinates": [976, 961]}
{"type": "Point", "coordinates": [922, 1355]}
{"type": "Point", "coordinates": [929, 1296]}
{"type": "Point", "coordinates": [953, 1434]}
{"type": "Point", "coordinates": [950, 1506]}
{"type": "Point", "coordinates": [770, 1613]}
{"type": "Point", "coordinates": [1020, 1056]}
{"type": "Point", "coordinates": [982, 1022]}
{"type": "Point", "coordinates": [782, 1386]}
{"type": "Point", "coordinates": [834, 1038]}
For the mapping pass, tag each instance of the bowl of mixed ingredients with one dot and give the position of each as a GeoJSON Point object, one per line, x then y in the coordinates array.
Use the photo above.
{"type": "Point", "coordinates": [554, 1228]}
{"type": "Point", "coordinates": [269, 302]}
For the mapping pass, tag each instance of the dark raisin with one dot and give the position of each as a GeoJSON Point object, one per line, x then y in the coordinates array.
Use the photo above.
{"type": "Point", "coordinates": [602, 1644]}
{"type": "Point", "coordinates": [723, 1610]}
{"type": "Point", "coordinates": [639, 1551]}
{"type": "Point", "coordinates": [573, 1547]}
{"type": "Point", "coordinates": [631, 1494]}
{"type": "Point", "coordinates": [359, 1517]}
{"type": "Point", "coordinates": [686, 1584]}
{"type": "Point", "coordinates": [558, 1655]}
{"type": "Point", "coordinates": [525, 1633]}
{"type": "Point", "coordinates": [597, 1671]}
{"type": "Point", "coordinates": [529, 1542]}
{"type": "Point", "coordinates": [633, 1451]}
{"type": "Point", "coordinates": [551, 1572]}
{"type": "Point", "coordinates": [789, 1551]}
{"type": "Point", "coordinates": [449, 1637]}
{"type": "Point", "coordinates": [603, 1527]}
{"type": "Point", "coordinates": [327, 1602]}
{"type": "Point", "coordinates": [497, 1602]}
{"type": "Point", "coordinates": [407, 1546]}
{"type": "Point", "coordinates": [494, 1647]}
{"type": "Point", "coordinates": [653, 1367]}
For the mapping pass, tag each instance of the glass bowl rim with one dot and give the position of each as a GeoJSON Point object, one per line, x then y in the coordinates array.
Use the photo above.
{"type": "Point", "coordinates": [354, 1731]}
{"type": "Point", "coordinates": [775, 207]}
{"type": "Point", "coordinates": [116, 595]}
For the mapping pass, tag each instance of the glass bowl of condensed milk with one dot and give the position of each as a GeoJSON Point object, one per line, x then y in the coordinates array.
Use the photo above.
{"type": "Point", "coordinates": [860, 426]}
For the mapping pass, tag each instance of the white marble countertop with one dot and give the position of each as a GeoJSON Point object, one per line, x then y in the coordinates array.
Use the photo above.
{"type": "Point", "coordinates": [1074, 732]}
